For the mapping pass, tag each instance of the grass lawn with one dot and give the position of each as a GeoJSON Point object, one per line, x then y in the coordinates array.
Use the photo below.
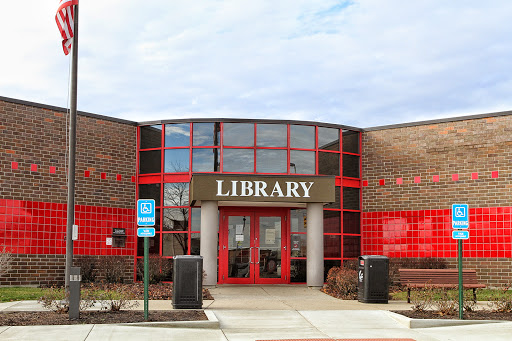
{"type": "Point", "coordinates": [9, 294]}
{"type": "Point", "coordinates": [481, 294]}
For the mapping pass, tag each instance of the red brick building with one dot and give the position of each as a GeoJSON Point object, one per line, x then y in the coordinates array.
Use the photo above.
{"type": "Point", "coordinates": [393, 189]}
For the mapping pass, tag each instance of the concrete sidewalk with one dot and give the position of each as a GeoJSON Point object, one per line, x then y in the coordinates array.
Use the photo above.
{"type": "Point", "coordinates": [269, 313]}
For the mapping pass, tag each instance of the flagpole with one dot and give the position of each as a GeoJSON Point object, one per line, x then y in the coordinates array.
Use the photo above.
{"type": "Point", "coordinates": [72, 151]}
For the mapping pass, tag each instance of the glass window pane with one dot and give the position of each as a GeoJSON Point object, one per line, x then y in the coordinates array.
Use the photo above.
{"type": "Point", "coordinates": [328, 138]}
{"type": "Point", "coordinates": [174, 244]}
{"type": "Point", "coordinates": [239, 134]}
{"type": "Point", "coordinates": [195, 219]}
{"type": "Point", "coordinates": [206, 134]}
{"type": "Point", "coordinates": [302, 162]}
{"type": "Point", "coordinates": [328, 163]}
{"type": "Point", "coordinates": [335, 204]}
{"type": "Point", "coordinates": [332, 221]}
{"type": "Point", "coordinates": [351, 166]}
{"type": "Point", "coordinates": [271, 161]}
{"type": "Point", "coordinates": [238, 160]}
{"type": "Point", "coordinates": [351, 222]}
{"type": "Point", "coordinates": [176, 194]}
{"type": "Point", "coordinates": [195, 244]}
{"type": "Point", "coordinates": [151, 136]}
{"type": "Point", "coordinates": [328, 264]}
{"type": "Point", "coordinates": [177, 135]}
{"type": "Point", "coordinates": [298, 247]}
{"type": "Point", "coordinates": [298, 270]}
{"type": "Point", "coordinates": [271, 135]}
{"type": "Point", "coordinates": [298, 220]}
{"type": "Point", "coordinates": [205, 160]}
{"type": "Point", "coordinates": [332, 246]}
{"type": "Point", "coordinates": [351, 198]}
{"type": "Point", "coordinates": [150, 191]}
{"type": "Point", "coordinates": [175, 219]}
{"type": "Point", "coordinates": [154, 245]}
{"type": "Point", "coordinates": [302, 137]}
{"type": "Point", "coordinates": [351, 246]}
{"type": "Point", "coordinates": [350, 141]}
{"type": "Point", "coordinates": [176, 160]}
{"type": "Point", "coordinates": [150, 162]}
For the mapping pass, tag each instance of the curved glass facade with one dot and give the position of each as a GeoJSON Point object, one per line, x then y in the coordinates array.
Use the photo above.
{"type": "Point", "coordinates": [170, 153]}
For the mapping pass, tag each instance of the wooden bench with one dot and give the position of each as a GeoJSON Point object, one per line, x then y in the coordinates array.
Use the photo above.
{"type": "Point", "coordinates": [438, 278]}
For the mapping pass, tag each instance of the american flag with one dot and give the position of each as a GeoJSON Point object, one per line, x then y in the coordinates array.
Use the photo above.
{"type": "Point", "coordinates": [64, 19]}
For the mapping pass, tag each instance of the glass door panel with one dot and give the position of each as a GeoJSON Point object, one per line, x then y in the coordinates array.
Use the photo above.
{"type": "Point", "coordinates": [270, 245]}
{"type": "Point", "coordinates": [239, 247]}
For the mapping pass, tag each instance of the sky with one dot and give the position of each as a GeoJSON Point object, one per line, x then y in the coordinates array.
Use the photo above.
{"type": "Point", "coordinates": [357, 63]}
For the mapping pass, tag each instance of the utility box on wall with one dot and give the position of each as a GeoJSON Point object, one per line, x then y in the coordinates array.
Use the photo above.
{"type": "Point", "coordinates": [373, 279]}
{"type": "Point", "coordinates": [187, 292]}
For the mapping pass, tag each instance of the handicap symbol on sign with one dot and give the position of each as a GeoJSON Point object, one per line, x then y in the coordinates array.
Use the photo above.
{"type": "Point", "coordinates": [460, 212]}
{"type": "Point", "coordinates": [146, 208]}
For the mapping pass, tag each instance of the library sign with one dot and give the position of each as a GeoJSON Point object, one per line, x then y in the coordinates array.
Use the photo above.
{"type": "Point", "coordinates": [300, 189]}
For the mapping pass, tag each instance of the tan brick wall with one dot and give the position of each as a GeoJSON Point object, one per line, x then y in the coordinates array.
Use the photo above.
{"type": "Point", "coordinates": [461, 147]}
{"type": "Point", "coordinates": [37, 135]}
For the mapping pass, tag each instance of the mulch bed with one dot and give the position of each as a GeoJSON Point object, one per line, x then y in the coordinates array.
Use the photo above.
{"type": "Point", "coordinates": [162, 291]}
{"type": "Point", "coordinates": [473, 315]}
{"type": "Point", "coordinates": [97, 317]}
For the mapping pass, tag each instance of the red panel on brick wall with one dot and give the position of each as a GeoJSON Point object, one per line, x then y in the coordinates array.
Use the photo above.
{"type": "Point", "coordinates": [474, 176]}
{"type": "Point", "coordinates": [52, 170]}
{"type": "Point", "coordinates": [33, 167]}
{"type": "Point", "coordinates": [435, 178]}
{"type": "Point", "coordinates": [87, 173]}
{"type": "Point", "coordinates": [455, 177]}
{"type": "Point", "coordinates": [103, 176]}
{"type": "Point", "coordinates": [494, 174]}
{"type": "Point", "coordinates": [417, 179]}
{"type": "Point", "coordinates": [118, 177]}
{"type": "Point", "coordinates": [14, 165]}
{"type": "Point", "coordinates": [399, 181]}
{"type": "Point", "coordinates": [427, 233]}
{"type": "Point", "coordinates": [382, 182]}
{"type": "Point", "coordinates": [30, 227]}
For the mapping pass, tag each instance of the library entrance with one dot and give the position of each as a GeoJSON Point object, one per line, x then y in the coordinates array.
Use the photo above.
{"type": "Point", "coordinates": [253, 244]}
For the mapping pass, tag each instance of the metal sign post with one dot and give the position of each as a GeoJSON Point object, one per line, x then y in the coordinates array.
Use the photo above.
{"type": "Point", "coordinates": [460, 220]}
{"type": "Point", "coordinates": [146, 217]}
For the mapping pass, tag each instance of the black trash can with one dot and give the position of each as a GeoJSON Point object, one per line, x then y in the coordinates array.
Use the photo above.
{"type": "Point", "coordinates": [373, 279]}
{"type": "Point", "coordinates": [187, 291]}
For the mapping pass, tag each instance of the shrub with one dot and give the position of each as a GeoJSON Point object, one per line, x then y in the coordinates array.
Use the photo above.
{"type": "Point", "coordinates": [57, 299]}
{"type": "Point", "coordinates": [113, 268]}
{"type": "Point", "coordinates": [421, 300]}
{"type": "Point", "coordinates": [116, 298]}
{"type": "Point", "coordinates": [159, 269]}
{"type": "Point", "coordinates": [5, 261]}
{"type": "Point", "coordinates": [501, 300]}
{"type": "Point", "coordinates": [341, 283]}
{"type": "Point", "coordinates": [445, 302]}
{"type": "Point", "coordinates": [88, 268]}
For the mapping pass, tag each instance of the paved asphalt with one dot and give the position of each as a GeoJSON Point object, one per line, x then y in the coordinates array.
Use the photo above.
{"type": "Point", "coordinates": [270, 313]}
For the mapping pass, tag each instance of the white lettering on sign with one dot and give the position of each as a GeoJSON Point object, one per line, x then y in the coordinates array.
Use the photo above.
{"type": "Point", "coordinates": [245, 188]}
{"type": "Point", "coordinates": [145, 220]}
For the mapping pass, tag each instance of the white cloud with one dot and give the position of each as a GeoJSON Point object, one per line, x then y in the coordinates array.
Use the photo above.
{"type": "Point", "coordinates": [359, 63]}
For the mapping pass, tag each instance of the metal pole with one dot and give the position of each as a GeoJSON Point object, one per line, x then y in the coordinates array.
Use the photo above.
{"type": "Point", "coordinates": [146, 276]}
{"type": "Point", "coordinates": [461, 292]}
{"type": "Point", "coordinates": [72, 150]}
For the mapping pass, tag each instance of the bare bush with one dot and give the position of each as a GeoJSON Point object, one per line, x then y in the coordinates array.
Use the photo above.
{"type": "Point", "coordinates": [5, 261]}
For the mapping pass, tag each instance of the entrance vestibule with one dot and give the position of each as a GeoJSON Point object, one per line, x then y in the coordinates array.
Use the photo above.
{"type": "Point", "coordinates": [253, 246]}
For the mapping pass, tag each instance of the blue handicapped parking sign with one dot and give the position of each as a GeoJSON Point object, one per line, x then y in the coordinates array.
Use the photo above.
{"type": "Point", "coordinates": [460, 216]}
{"type": "Point", "coordinates": [146, 212]}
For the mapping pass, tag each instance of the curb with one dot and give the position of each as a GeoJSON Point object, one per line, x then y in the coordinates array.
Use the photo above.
{"type": "Point", "coordinates": [432, 323]}
{"type": "Point", "coordinates": [211, 323]}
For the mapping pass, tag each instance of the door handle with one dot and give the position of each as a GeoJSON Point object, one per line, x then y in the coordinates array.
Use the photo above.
{"type": "Point", "coordinates": [258, 255]}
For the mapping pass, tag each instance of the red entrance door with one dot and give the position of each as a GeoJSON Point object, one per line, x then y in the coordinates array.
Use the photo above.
{"type": "Point", "coordinates": [254, 246]}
